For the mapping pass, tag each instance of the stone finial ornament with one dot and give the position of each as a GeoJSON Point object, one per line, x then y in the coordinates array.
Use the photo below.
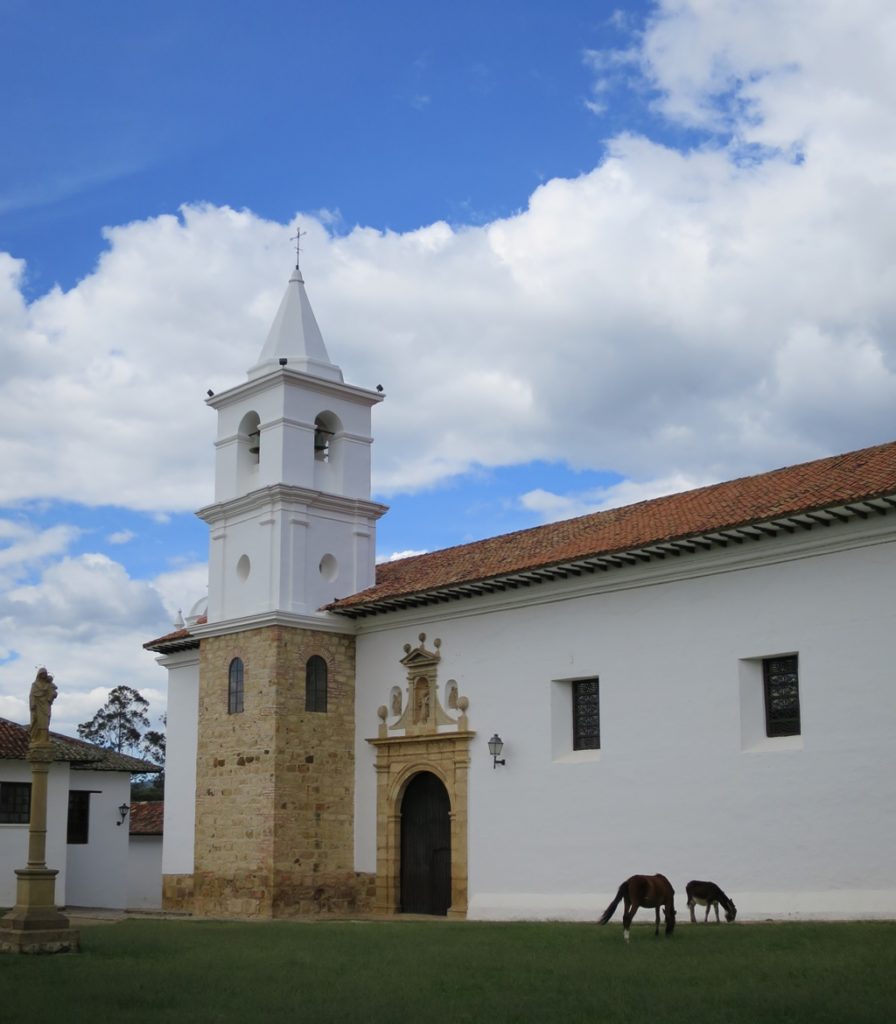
{"type": "Point", "coordinates": [382, 711]}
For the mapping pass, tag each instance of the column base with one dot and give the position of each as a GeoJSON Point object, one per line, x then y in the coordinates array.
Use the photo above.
{"type": "Point", "coordinates": [39, 940]}
{"type": "Point", "coordinates": [35, 925]}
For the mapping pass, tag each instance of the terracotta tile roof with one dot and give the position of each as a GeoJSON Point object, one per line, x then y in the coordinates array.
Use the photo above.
{"type": "Point", "coordinates": [179, 640]}
{"type": "Point", "coordinates": [14, 741]}
{"type": "Point", "coordinates": [146, 818]}
{"type": "Point", "coordinates": [825, 483]}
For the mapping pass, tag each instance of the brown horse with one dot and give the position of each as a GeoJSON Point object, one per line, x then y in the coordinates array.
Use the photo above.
{"type": "Point", "coordinates": [644, 891]}
{"type": "Point", "coordinates": [708, 894]}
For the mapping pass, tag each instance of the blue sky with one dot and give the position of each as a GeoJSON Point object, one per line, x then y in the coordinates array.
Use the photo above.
{"type": "Point", "coordinates": [395, 114]}
{"type": "Point", "coordinates": [594, 252]}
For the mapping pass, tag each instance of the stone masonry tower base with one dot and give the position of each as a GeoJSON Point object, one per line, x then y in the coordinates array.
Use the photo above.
{"type": "Point", "coordinates": [275, 782]}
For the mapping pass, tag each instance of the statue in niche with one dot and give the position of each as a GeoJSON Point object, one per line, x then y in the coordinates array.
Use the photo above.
{"type": "Point", "coordinates": [396, 700]}
{"type": "Point", "coordinates": [421, 701]}
{"type": "Point", "coordinates": [451, 693]}
{"type": "Point", "coordinates": [42, 695]}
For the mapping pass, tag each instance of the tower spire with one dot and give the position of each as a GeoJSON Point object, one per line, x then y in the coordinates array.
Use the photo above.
{"type": "Point", "coordinates": [294, 339]}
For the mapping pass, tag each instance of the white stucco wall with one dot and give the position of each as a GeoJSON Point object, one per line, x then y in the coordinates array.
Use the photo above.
{"type": "Point", "coordinates": [144, 872]}
{"type": "Point", "coordinates": [14, 838]}
{"type": "Point", "coordinates": [90, 875]}
{"type": "Point", "coordinates": [180, 761]}
{"type": "Point", "coordinates": [685, 782]}
{"type": "Point", "coordinates": [97, 874]}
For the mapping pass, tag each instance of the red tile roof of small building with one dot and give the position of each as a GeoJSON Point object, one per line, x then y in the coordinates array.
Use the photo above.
{"type": "Point", "coordinates": [147, 817]}
{"type": "Point", "coordinates": [824, 483]}
{"type": "Point", "coordinates": [14, 740]}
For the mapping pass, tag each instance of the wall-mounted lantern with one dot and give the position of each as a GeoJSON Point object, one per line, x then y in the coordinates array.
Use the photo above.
{"type": "Point", "coordinates": [122, 813]}
{"type": "Point", "coordinates": [495, 746]}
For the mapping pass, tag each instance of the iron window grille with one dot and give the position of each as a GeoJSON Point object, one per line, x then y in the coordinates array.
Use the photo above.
{"type": "Point", "coordinates": [782, 696]}
{"type": "Point", "coordinates": [15, 803]}
{"type": "Point", "coordinates": [586, 714]}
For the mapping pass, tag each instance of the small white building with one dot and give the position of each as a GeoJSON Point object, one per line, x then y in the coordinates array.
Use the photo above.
{"type": "Point", "coordinates": [145, 855]}
{"type": "Point", "coordinates": [87, 835]}
{"type": "Point", "coordinates": [699, 685]}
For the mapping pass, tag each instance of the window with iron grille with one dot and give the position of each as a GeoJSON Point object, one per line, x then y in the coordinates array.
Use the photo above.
{"type": "Point", "coordinates": [15, 803]}
{"type": "Point", "coordinates": [316, 684]}
{"type": "Point", "coordinates": [78, 816]}
{"type": "Point", "coordinates": [585, 714]}
{"type": "Point", "coordinates": [235, 687]}
{"type": "Point", "coordinates": [782, 696]}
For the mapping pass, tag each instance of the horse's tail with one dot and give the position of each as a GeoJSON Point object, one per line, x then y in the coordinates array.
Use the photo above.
{"type": "Point", "coordinates": [611, 909]}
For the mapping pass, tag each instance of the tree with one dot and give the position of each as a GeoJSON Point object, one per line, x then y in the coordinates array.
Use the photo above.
{"type": "Point", "coordinates": [123, 725]}
{"type": "Point", "coordinates": [152, 746]}
{"type": "Point", "coordinates": [120, 722]}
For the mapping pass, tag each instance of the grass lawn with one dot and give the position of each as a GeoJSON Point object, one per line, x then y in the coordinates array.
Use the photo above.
{"type": "Point", "coordinates": [206, 971]}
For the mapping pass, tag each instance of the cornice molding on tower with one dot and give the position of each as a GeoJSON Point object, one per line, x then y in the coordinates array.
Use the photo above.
{"type": "Point", "coordinates": [323, 622]}
{"type": "Point", "coordinates": [283, 375]}
{"type": "Point", "coordinates": [296, 499]}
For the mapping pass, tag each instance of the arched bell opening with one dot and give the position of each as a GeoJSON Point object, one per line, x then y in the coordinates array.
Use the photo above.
{"type": "Point", "coordinates": [327, 451]}
{"type": "Point", "coordinates": [248, 446]}
{"type": "Point", "coordinates": [326, 430]}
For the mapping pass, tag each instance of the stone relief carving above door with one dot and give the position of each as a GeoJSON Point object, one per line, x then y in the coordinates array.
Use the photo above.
{"type": "Point", "coordinates": [421, 712]}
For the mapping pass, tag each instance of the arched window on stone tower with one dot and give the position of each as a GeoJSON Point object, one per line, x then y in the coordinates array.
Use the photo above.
{"type": "Point", "coordinates": [235, 687]}
{"type": "Point", "coordinates": [316, 684]}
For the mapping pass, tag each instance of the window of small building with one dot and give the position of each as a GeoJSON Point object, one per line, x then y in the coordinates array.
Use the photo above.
{"type": "Point", "coordinates": [15, 803]}
{"type": "Point", "coordinates": [78, 817]}
{"type": "Point", "coordinates": [316, 684]}
{"type": "Point", "coordinates": [235, 687]}
{"type": "Point", "coordinates": [782, 696]}
{"type": "Point", "coordinates": [585, 714]}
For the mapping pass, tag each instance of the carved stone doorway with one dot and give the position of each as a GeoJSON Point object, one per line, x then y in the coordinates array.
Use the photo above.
{"type": "Point", "coordinates": [425, 846]}
{"type": "Point", "coordinates": [421, 793]}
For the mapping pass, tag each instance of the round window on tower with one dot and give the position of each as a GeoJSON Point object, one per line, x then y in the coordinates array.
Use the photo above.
{"type": "Point", "coordinates": [243, 567]}
{"type": "Point", "coordinates": [329, 568]}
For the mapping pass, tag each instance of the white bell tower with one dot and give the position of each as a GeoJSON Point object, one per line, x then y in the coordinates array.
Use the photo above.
{"type": "Point", "coordinates": [292, 525]}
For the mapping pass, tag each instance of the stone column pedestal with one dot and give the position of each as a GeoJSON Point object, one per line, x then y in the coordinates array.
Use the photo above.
{"type": "Point", "coordinates": [34, 925]}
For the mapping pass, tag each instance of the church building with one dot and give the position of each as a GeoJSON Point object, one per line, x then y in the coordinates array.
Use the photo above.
{"type": "Point", "coordinates": [699, 685]}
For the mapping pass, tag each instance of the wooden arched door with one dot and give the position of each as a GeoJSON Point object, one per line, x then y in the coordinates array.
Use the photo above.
{"type": "Point", "coordinates": [425, 846]}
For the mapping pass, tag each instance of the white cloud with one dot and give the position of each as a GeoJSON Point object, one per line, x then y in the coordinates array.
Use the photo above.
{"type": "Point", "coordinates": [121, 537]}
{"type": "Point", "coordinates": [633, 318]}
{"type": "Point", "coordinates": [179, 589]}
{"type": "Point", "coordinates": [23, 547]}
{"type": "Point", "coordinates": [552, 507]}
{"type": "Point", "coordinates": [398, 555]}
{"type": "Point", "coordinates": [678, 317]}
{"type": "Point", "coordinates": [86, 620]}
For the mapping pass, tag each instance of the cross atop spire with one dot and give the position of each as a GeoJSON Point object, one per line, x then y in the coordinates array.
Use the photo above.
{"type": "Point", "coordinates": [297, 238]}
